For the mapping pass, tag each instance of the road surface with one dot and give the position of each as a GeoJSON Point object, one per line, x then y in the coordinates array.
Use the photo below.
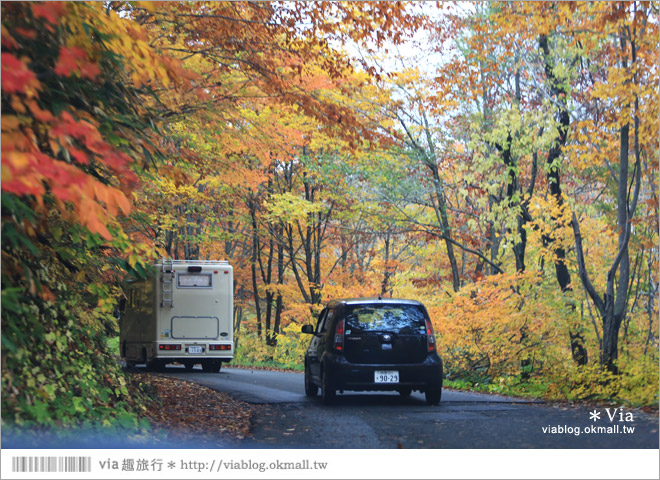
{"type": "Point", "coordinates": [289, 419]}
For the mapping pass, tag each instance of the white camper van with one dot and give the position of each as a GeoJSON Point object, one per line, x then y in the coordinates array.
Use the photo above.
{"type": "Point", "coordinates": [184, 314]}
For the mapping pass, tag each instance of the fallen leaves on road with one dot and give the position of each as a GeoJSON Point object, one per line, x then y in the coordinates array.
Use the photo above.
{"type": "Point", "coordinates": [189, 411]}
{"type": "Point", "coordinates": [266, 368]}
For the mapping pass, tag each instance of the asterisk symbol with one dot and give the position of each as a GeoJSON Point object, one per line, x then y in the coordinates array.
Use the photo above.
{"type": "Point", "coordinates": [595, 415]}
{"type": "Point", "coordinates": [171, 465]}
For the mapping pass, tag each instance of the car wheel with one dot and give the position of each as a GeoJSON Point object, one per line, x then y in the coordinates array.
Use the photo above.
{"type": "Point", "coordinates": [311, 390]}
{"type": "Point", "coordinates": [433, 396]}
{"type": "Point", "coordinates": [211, 366]}
{"type": "Point", "coordinates": [405, 392]}
{"type": "Point", "coordinates": [328, 393]}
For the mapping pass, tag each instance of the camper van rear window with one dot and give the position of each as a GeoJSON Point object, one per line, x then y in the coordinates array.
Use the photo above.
{"type": "Point", "coordinates": [192, 280]}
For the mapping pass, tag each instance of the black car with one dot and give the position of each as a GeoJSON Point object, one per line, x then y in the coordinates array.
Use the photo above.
{"type": "Point", "coordinates": [373, 344]}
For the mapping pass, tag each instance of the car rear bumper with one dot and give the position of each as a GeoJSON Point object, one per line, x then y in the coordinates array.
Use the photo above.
{"type": "Point", "coordinates": [351, 376]}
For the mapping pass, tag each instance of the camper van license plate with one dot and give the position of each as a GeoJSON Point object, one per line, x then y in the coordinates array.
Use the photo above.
{"type": "Point", "coordinates": [195, 349]}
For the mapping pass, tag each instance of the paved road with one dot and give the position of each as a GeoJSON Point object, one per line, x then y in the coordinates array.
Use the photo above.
{"type": "Point", "coordinates": [289, 419]}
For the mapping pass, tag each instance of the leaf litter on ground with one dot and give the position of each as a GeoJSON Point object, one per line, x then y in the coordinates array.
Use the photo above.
{"type": "Point", "coordinates": [190, 412]}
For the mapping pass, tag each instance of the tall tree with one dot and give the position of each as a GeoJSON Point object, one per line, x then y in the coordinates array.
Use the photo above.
{"type": "Point", "coordinates": [631, 48]}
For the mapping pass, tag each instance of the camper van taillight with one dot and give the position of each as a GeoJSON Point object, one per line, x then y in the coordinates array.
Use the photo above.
{"type": "Point", "coordinates": [219, 347]}
{"type": "Point", "coordinates": [169, 347]}
{"type": "Point", "coordinates": [194, 269]}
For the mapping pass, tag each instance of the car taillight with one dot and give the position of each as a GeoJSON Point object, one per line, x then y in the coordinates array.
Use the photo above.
{"type": "Point", "coordinates": [430, 337]}
{"type": "Point", "coordinates": [219, 347]}
{"type": "Point", "coordinates": [169, 347]}
{"type": "Point", "coordinates": [339, 336]}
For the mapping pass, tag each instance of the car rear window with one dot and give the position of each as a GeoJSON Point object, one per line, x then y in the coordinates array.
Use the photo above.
{"type": "Point", "coordinates": [399, 319]}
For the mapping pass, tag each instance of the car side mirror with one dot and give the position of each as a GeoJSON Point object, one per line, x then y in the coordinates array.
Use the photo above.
{"type": "Point", "coordinates": [307, 329]}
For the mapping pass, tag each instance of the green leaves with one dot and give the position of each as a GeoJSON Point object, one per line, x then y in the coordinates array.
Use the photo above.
{"type": "Point", "coordinates": [291, 209]}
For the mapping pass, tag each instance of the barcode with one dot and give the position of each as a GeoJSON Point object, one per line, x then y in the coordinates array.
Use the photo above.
{"type": "Point", "coordinates": [51, 464]}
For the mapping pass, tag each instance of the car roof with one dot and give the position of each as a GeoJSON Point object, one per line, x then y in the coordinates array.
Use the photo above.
{"type": "Point", "coordinates": [372, 301]}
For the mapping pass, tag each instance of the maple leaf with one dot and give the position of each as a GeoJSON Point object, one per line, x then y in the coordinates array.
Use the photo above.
{"type": "Point", "coordinates": [66, 62]}
{"type": "Point", "coordinates": [16, 76]}
{"type": "Point", "coordinates": [74, 60]}
{"type": "Point", "coordinates": [49, 11]}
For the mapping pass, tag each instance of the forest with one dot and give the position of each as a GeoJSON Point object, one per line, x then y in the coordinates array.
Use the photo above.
{"type": "Point", "coordinates": [497, 161]}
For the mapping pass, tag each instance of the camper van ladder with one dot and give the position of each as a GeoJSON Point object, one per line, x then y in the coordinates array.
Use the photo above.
{"type": "Point", "coordinates": [167, 283]}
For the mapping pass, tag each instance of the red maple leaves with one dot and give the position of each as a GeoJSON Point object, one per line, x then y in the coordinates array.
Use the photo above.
{"type": "Point", "coordinates": [16, 76]}
{"type": "Point", "coordinates": [62, 153]}
{"type": "Point", "coordinates": [74, 60]}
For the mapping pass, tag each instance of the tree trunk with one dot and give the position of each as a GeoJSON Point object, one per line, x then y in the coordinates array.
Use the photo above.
{"type": "Point", "coordinates": [493, 243]}
{"type": "Point", "coordinates": [611, 325]}
{"type": "Point", "coordinates": [615, 305]}
{"type": "Point", "coordinates": [440, 205]}
{"type": "Point", "coordinates": [279, 304]}
{"type": "Point", "coordinates": [386, 272]}
{"type": "Point", "coordinates": [255, 252]}
{"type": "Point", "coordinates": [238, 319]}
{"type": "Point", "coordinates": [612, 307]}
{"type": "Point", "coordinates": [269, 294]}
{"type": "Point", "coordinates": [578, 347]}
